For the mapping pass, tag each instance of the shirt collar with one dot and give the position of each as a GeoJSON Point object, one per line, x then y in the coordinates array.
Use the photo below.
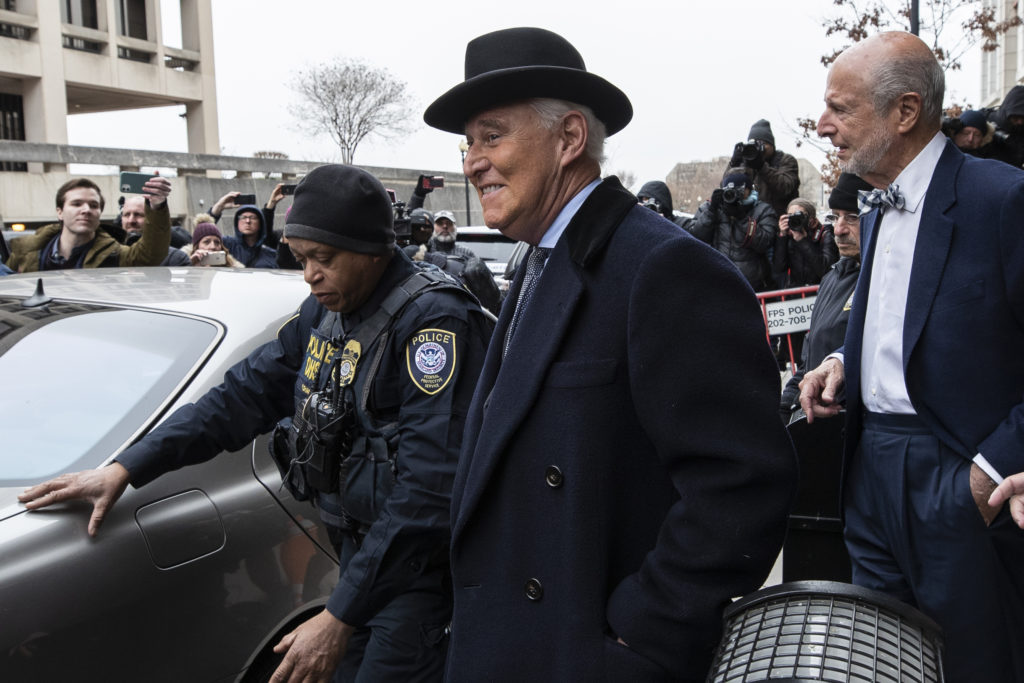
{"type": "Point", "coordinates": [561, 222]}
{"type": "Point", "coordinates": [913, 180]}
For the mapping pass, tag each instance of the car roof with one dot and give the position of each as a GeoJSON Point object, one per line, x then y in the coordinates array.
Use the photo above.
{"type": "Point", "coordinates": [223, 294]}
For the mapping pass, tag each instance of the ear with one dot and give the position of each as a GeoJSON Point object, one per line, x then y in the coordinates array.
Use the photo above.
{"type": "Point", "coordinates": [574, 136]}
{"type": "Point", "coordinates": [908, 111]}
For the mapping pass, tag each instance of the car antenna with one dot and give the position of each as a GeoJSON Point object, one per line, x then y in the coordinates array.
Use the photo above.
{"type": "Point", "coordinates": [38, 298]}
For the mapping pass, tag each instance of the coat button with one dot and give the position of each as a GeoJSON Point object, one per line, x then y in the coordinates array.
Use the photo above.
{"type": "Point", "coordinates": [553, 477]}
{"type": "Point", "coordinates": [534, 590]}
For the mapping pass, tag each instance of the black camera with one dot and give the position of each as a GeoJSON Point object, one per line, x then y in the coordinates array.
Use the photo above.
{"type": "Point", "coordinates": [749, 151]}
{"type": "Point", "coordinates": [403, 226]}
{"type": "Point", "coordinates": [798, 221]}
{"type": "Point", "coordinates": [733, 195]}
{"type": "Point", "coordinates": [651, 203]}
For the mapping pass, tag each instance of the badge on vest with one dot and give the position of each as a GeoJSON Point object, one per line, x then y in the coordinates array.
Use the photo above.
{"type": "Point", "coordinates": [430, 358]}
{"type": "Point", "coordinates": [347, 365]}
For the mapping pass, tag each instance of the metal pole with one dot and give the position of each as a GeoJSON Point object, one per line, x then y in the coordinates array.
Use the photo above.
{"type": "Point", "coordinates": [465, 180]}
{"type": "Point", "coordinates": [915, 24]}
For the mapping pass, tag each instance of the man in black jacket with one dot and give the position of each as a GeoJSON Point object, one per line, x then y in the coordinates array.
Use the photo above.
{"type": "Point", "coordinates": [776, 174]}
{"type": "Point", "coordinates": [832, 307]}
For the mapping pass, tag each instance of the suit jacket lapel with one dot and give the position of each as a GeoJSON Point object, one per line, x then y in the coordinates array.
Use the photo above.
{"type": "Point", "coordinates": [934, 237]}
{"type": "Point", "coordinates": [512, 384]}
{"type": "Point", "coordinates": [855, 328]}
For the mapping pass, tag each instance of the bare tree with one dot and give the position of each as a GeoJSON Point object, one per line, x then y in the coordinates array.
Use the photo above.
{"type": "Point", "coordinates": [348, 100]}
{"type": "Point", "coordinates": [626, 177]}
{"type": "Point", "coordinates": [950, 27]}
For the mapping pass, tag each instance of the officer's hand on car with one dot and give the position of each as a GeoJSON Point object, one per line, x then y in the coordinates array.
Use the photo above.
{"type": "Point", "coordinates": [312, 651]}
{"type": "Point", "coordinates": [101, 487]}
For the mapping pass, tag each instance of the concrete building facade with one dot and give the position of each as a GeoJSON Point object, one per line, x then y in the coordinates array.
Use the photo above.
{"type": "Point", "coordinates": [1003, 68]}
{"type": "Point", "coordinates": [60, 57]}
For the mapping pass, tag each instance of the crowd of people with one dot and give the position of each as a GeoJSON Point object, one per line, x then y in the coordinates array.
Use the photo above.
{"type": "Point", "coordinates": [577, 490]}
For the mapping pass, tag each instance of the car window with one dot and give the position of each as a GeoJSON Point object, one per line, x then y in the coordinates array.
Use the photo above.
{"type": "Point", "coordinates": [76, 386]}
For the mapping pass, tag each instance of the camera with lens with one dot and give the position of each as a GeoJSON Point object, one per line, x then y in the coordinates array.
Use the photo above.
{"type": "Point", "coordinates": [732, 194]}
{"type": "Point", "coordinates": [403, 225]}
{"type": "Point", "coordinates": [651, 203]}
{"type": "Point", "coordinates": [798, 221]}
{"type": "Point", "coordinates": [749, 151]}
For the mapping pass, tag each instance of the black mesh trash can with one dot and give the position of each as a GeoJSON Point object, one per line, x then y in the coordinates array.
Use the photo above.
{"type": "Point", "coordinates": [826, 631]}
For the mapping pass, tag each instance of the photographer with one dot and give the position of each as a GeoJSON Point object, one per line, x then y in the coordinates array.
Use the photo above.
{"type": "Point", "coordinates": [776, 174]}
{"type": "Point", "coordinates": [970, 132]}
{"type": "Point", "coordinates": [740, 226]}
{"type": "Point", "coordinates": [1008, 140]}
{"type": "Point", "coordinates": [805, 249]}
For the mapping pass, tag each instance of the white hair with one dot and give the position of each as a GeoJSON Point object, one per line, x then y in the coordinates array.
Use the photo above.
{"type": "Point", "coordinates": [551, 112]}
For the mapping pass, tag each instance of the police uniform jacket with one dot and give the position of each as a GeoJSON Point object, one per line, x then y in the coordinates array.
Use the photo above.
{"type": "Point", "coordinates": [411, 534]}
{"type": "Point", "coordinates": [624, 472]}
{"type": "Point", "coordinates": [828, 324]}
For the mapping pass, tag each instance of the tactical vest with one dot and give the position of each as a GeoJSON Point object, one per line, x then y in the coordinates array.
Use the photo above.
{"type": "Point", "coordinates": [335, 450]}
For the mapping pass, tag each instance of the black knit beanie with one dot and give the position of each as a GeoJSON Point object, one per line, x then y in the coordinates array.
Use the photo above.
{"type": "Point", "coordinates": [844, 196]}
{"type": "Point", "coordinates": [762, 130]}
{"type": "Point", "coordinates": [345, 207]}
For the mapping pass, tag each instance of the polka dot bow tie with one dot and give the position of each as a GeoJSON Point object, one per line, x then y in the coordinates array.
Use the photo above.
{"type": "Point", "coordinates": [873, 199]}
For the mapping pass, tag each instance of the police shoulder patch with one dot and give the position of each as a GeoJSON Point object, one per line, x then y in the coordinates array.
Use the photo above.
{"type": "Point", "coordinates": [430, 359]}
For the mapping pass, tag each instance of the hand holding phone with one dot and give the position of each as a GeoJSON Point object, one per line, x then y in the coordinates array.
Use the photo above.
{"type": "Point", "coordinates": [243, 199]}
{"type": "Point", "coordinates": [213, 258]}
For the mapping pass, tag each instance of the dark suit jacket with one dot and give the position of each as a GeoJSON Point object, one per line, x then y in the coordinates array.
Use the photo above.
{"type": "Point", "coordinates": [963, 332]}
{"type": "Point", "coordinates": [624, 472]}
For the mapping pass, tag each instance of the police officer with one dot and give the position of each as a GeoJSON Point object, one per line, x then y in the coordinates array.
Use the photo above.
{"type": "Point", "coordinates": [376, 372]}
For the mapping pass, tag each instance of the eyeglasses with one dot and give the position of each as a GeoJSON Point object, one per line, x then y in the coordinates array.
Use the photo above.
{"type": "Point", "coordinates": [248, 217]}
{"type": "Point", "coordinates": [850, 219]}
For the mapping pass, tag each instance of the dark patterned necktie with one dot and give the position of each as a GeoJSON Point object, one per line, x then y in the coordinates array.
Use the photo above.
{"type": "Point", "coordinates": [873, 199]}
{"type": "Point", "coordinates": [534, 266]}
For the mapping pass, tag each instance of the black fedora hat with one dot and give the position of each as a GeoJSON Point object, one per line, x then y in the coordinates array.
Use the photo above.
{"type": "Point", "coordinates": [523, 63]}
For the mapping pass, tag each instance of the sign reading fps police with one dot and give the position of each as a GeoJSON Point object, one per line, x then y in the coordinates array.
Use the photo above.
{"type": "Point", "coordinates": [785, 317]}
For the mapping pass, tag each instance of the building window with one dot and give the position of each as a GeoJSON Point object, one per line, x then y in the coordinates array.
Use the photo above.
{"type": "Point", "coordinates": [132, 18]}
{"type": "Point", "coordinates": [79, 13]}
{"type": "Point", "coordinates": [12, 127]}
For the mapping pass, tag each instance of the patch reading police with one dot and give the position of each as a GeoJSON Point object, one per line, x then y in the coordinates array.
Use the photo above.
{"type": "Point", "coordinates": [430, 358]}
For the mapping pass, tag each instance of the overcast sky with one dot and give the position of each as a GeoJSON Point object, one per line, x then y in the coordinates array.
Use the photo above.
{"type": "Point", "coordinates": [698, 73]}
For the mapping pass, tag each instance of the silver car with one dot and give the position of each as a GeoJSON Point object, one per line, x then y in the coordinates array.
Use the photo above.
{"type": "Point", "coordinates": [193, 577]}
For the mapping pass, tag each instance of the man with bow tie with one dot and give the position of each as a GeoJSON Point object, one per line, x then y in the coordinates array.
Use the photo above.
{"type": "Point", "coordinates": [933, 364]}
{"type": "Point", "coordinates": [618, 482]}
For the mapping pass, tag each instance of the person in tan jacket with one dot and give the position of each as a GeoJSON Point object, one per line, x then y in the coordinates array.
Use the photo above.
{"type": "Point", "coordinates": [76, 241]}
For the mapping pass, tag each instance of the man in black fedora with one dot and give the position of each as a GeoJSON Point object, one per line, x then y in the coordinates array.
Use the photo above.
{"type": "Point", "coordinates": [614, 490]}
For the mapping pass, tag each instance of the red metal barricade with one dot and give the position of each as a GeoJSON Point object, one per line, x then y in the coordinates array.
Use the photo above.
{"type": "Point", "coordinates": [787, 312]}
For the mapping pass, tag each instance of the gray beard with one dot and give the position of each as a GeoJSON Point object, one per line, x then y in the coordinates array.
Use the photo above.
{"type": "Point", "coordinates": [444, 238]}
{"type": "Point", "coordinates": [866, 160]}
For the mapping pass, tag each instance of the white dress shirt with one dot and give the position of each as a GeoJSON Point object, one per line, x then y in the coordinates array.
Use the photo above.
{"type": "Point", "coordinates": [882, 380]}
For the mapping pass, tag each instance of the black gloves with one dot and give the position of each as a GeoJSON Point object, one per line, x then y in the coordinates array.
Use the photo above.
{"type": "Point", "coordinates": [716, 200]}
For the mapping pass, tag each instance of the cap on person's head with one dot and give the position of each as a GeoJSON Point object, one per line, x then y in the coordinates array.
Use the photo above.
{"type": "Point", "coordinates": [518, 64]}
{"type": "Point", "coordinates": [204, 230]}
{"type": "Point", "coordinates": [444, 214]}
{"type": "Point", "coordinates": [421, 217]}
{"type": "Point", "coordinates": [737, 178]}
{"type": "Point", "coordinates": [844, 195]}
{"type": "Point", "coordinates": [762, 130]}
{"type": "Point", "coordinates": [344, 207]}
{"type": "Point", "coordinates": [974, 119]}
